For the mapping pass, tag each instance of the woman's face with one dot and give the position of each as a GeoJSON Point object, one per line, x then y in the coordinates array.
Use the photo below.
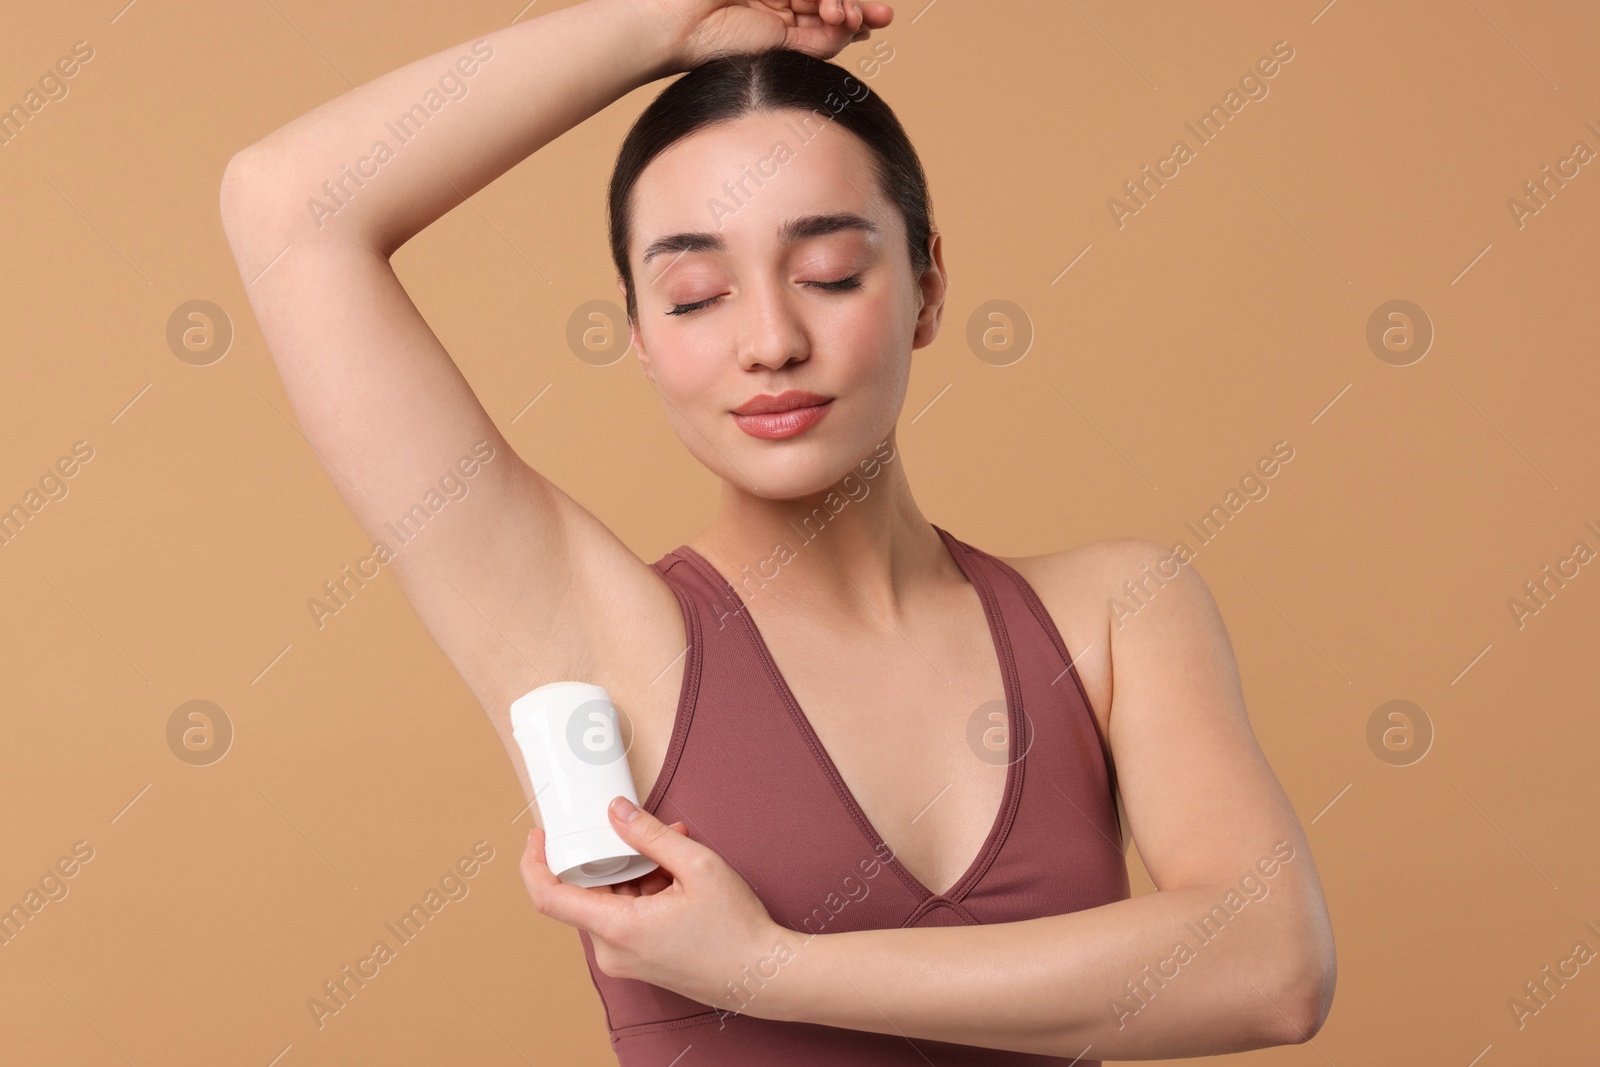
{"type": "Point", "coordinates": [765, 259]}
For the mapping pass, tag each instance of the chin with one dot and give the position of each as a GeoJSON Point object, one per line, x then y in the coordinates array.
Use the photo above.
{"type": "Point", "coordinates": [795, 470]}
{"type": "Point", "coordinates": [792, 474]}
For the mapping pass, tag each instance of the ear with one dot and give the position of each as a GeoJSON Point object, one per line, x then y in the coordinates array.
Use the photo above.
{"type": "Point", "coordinates": [634, 340]}
{"type": "Point", "coordinates": [933, 285]}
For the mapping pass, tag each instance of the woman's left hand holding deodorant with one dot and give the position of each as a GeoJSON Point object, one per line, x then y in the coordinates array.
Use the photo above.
{"type": "Point", "coordinates": [691, 926]}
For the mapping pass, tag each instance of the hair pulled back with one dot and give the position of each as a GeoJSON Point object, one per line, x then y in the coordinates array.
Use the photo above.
{"type": "Point", "coordinates": [730, 87]}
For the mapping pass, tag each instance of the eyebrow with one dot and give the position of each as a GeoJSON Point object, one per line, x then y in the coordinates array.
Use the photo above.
{"type": "Point", "coordinates": [798, 229]}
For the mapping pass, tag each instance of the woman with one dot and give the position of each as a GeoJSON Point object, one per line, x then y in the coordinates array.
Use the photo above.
{"type": "Point", "coordinates": [775, 250]}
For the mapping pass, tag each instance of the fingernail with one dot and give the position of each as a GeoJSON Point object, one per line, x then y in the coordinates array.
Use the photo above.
{"type": "Point", "coordinates": [624, 809]}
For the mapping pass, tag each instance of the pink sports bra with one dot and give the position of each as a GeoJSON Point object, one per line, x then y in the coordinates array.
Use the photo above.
{"type": "Point", "coordinates": [748, 776]}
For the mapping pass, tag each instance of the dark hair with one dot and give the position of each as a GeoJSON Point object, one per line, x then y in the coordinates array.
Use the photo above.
{"type": "Point", "coordinates": [730, 87]}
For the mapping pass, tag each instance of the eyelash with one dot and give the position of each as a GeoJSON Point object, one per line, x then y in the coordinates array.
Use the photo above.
{"type": "Point", "coordinates": [840, 286]}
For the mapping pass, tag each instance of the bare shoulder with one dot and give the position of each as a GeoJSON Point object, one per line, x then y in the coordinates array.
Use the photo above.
{"type": "Point", "coordinates": [1082, 587]}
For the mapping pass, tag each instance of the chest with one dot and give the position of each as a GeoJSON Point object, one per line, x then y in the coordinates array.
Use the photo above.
{"type": "Point", "coordinates": [910, 715]}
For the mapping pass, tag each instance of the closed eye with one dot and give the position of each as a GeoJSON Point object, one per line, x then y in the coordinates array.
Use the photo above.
{"type": "Point", "coordinates": [840, 286]}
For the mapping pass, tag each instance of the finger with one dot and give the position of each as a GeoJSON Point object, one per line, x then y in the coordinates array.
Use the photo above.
{"type": "Point", "coordinates": [650, 882]}
{"type": "Point", "coordinates": [643, 885]}
{"type": "Point", "coordinates": [571, 904]}
{"type": "Point", "coordinates": [877, 15]}
{"type": "Point", "coordinates": [659, 879]}
{"type": "Point", "coordinates": [842, 22]}
{"type": "Point", "coordinates": [654, 838]}
{"type": "Point", "coordinates": [655, 882]}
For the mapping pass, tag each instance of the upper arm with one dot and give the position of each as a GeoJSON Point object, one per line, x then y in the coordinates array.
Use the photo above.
{"type": "Point", "coordinates": [506, 571]}
{"type": "Point", "coordinates": [1202, 801]}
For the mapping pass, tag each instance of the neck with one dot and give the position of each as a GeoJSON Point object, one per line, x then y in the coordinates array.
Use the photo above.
{"type": "Point", "coordinates": [851, 550]}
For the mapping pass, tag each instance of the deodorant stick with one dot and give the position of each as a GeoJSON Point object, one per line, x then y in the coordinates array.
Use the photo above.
{"type": "Point", "coordinates": [569, 737]}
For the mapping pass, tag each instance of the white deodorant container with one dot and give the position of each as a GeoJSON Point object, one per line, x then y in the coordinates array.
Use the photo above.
{"type": "Point", "coordinates": [569, 737]}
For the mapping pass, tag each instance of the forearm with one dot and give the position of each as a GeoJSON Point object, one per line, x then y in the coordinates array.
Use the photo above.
{"type": "Point", "coordinates": [387, 158]}
{"type": "Point", "coordinates": [1060, 984]}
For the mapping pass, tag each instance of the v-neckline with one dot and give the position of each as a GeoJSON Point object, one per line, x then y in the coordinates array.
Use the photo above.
{"type": "Point", "coordinates": [1001, 826]}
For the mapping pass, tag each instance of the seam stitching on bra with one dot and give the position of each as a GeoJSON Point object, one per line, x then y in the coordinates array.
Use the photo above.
{"type": "Point", "coordinates": [1042, 614]}
{"type": "Point", "coordinates": [698, 1019]}
{"type": "Point", "coordinates": [994, 619]}
{"type": "Point", "coordinates": [819, 754]}
{"type": "Point", "coordinates": [688, 693]}
{"type": "Point", "coordinates": [933, 903]}
{"type": "Point", "coordinates": [1012, 681]}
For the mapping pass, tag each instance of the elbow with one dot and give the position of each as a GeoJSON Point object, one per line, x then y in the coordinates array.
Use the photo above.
{"type": "Point", "coordinates": [1305, 998]}
{"type": "Point", "coordinates": [246, 201]}
{"type": "Point", "coordinates": [243, 179]}
{"type": "Point", "coordinates": [260, 214]}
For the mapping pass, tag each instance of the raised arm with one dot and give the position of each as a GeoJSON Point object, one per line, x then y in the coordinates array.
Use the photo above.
{"type": "Point", "coordinates": [508, 573]}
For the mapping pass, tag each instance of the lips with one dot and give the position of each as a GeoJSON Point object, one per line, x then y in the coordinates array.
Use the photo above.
{"type": "Point", "coordinates": [785, 415]}
{"type": "Point", "coordinates": [787, 400]}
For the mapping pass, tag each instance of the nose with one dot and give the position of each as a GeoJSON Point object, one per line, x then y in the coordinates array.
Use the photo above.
{"type": "Point", "coordinates": [770, 333]}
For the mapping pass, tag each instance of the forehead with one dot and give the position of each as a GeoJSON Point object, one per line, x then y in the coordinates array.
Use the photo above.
{"type": "Point", "coordinates": [743, 181]}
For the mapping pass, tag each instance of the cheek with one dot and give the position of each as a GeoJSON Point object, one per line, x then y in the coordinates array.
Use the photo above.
{"type": "Point", "coordinates": [684, 375]}
{"type": "Point", "coordinates": [874, 339]}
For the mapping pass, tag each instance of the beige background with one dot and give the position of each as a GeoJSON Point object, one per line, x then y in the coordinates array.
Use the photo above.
{"type": "Point", "coordinates": [1228, 314]}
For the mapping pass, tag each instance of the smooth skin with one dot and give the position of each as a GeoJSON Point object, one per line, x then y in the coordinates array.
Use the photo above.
{"type": "Point", "coordinates": [879, 635]}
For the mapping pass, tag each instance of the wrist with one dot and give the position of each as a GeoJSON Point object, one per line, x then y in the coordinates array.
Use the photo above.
{"type": "Point", "coordinates": [662, 36]}
{"type": "Point", "coordinates": [779, 984]}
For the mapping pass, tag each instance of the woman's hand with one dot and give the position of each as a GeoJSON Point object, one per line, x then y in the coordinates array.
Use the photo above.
{"type": "Point", "coordinates": [734, 27]}
{"type": "Point", "coordinates": [690, 925]}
